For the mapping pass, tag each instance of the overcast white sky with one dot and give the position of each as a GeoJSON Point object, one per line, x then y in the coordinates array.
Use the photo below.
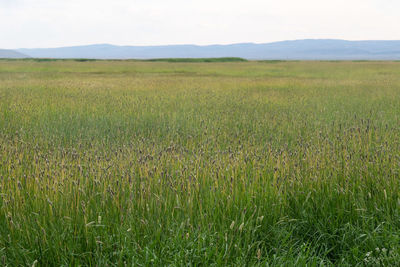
{"type": "Point", "coordinates": [54, 23]}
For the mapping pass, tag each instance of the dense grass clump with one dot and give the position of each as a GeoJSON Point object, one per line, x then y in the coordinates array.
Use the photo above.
{"type": "Point", "coordinates": [159, 163]}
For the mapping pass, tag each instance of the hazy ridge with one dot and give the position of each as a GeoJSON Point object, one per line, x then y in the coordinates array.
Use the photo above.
{"type": "Point", "coordinates": [311, 49]}
{"type": "Point", "coordinates": [7, 53]}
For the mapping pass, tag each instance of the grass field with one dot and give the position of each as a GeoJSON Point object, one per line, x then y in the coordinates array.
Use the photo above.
{"type": "Point", "coordinates": [113, 163]}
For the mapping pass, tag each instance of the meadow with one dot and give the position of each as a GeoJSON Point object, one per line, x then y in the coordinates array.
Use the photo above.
{"type": "Point", "coordinates": [138, 163]}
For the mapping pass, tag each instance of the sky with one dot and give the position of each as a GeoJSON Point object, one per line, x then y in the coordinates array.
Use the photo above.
{"type": "Point", "coordinates": [56, 23]}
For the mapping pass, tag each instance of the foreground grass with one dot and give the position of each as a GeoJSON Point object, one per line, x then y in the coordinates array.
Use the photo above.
{"type": "Point", "coordinates": [156, 163]}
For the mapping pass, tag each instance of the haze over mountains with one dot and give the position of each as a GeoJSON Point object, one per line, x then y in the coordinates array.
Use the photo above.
{"type": "Point", "coordinates": [7, 53]}
{"type": "Point", "coordinates": [311, 49]}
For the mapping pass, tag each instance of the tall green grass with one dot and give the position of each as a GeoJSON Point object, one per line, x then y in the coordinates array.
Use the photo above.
{"type": "Point", "coordinates": [158, 163]}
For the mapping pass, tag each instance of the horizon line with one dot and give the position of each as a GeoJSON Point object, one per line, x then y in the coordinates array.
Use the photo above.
{"type": "Point", "coordinates": [205, 45]}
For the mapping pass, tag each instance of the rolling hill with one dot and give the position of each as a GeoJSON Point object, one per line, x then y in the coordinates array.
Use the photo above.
{"type": "Point", "coordinates": [6, 53]}
{"type": "Point", "coordinates": [311, 49]}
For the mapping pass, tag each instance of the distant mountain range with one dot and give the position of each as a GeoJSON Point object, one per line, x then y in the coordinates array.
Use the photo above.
{"type": "Point", "coordinates": [6, 53]}
{"type": "Point", "coordinates": [311, 49]}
